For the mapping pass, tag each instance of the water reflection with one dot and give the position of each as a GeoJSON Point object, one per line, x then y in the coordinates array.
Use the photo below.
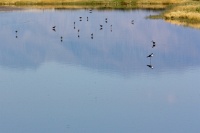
{"type": "Point", "coordinates": [149, 56]}
{"type": "Point", "coordinates": [119, 46]}
{"type": "Point", "coordinates": [48, 82]}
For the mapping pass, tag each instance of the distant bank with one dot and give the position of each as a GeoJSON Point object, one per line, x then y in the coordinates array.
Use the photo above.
{"type": "Point", "coordinates": [182, 12]}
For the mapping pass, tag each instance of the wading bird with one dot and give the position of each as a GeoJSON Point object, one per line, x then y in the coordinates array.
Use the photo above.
{"type": "Point", "coordinates": [151, 55]}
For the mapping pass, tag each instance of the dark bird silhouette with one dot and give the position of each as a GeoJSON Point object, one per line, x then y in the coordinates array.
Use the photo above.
{"type": "Point", "coordinates": [78, 33]}
{"type": "Point", "coordinates": [74, 24]}
{"type": "Point", "coordinates": [150, 66]}
{"type": "Point", "coordinates": [151, 55]}
{"type": "Point", "coordinates": [87, 18]}
{"type": "Point", "coordinates": [16, 34]}
{"type": "Point", "coordinates": [154, 44]}
{"type": "Point", "coordinates": [132, 21]}
{"type": "Point", "coordinates": [92, 36]}
{"type": "Point", "coordinates": [54, 28]}
{"type": "Point", "coordinates": [101, 27]}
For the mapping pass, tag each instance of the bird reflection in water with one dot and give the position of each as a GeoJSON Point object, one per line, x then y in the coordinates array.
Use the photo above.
{"type": "Point", "coordinates": [54, 28]}
{"type": "Point", "coordinates": [132, 22]}
{"type": "Point", "coordinates": [92, 36]}
{"type": "Point", "coordinates": [16, 34]}
{"type": "Point", "coordinates": [61, 38]}
{"type": "Point", "coordinates": [154, 44]}
{"type": "Point", "coordinates": [150, 56]}
{"type": "Point", "coordinates": [149, 65]}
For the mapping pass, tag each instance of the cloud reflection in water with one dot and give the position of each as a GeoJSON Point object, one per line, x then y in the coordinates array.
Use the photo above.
{"type": "Point", "coordinates": [122, 51]}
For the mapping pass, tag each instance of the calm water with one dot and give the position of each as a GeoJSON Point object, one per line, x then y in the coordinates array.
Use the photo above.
{"type": "Point", "coordinates": [100, 83]}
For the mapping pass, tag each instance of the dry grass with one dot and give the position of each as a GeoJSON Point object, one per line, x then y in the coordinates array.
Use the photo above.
{"type": "Point", "coordinates": [39, 2]}
{"type": "Point", "coordinates": [58, 1]}
{"type": "Point", "coordinates": [180, 12]}
{"type": "Point", "coordinates": [187, 14]}
{"type": "Point", "coordinates": [184, 23]}
{"type": "Point", "coordinates": [150, 6]}
{"type": "Point", "coordinates": [162, 1]}
{"type": "Point", "coordinates": [193, 16]}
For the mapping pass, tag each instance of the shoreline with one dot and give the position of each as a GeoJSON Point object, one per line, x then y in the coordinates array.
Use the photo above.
{"type": "Point", "coordinates": [9, 8]}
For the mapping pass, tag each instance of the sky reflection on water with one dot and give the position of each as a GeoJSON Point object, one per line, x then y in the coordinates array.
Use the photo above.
{"type": "Point", "coordinates": [123, 50]}
{"type": "Point", "coordinates": [99, 85]}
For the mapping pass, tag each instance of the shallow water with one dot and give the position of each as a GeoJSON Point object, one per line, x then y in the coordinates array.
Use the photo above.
{"type": "Point", "coordinates": [80, 84]}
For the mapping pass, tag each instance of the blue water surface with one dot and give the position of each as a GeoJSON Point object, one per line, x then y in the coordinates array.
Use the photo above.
{"type": "Point", "coordinates": [80, 78]}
